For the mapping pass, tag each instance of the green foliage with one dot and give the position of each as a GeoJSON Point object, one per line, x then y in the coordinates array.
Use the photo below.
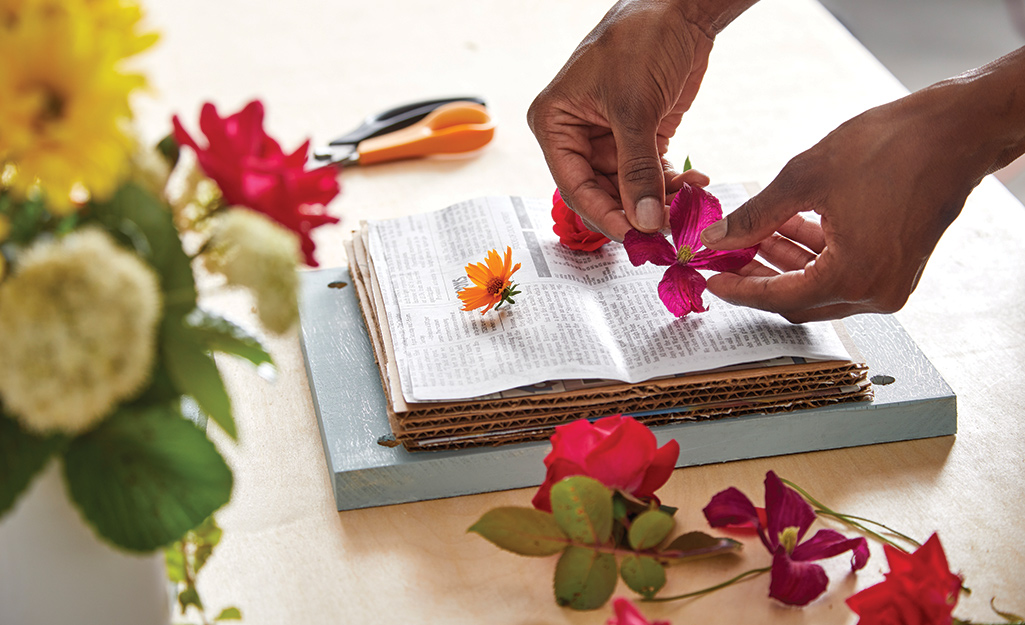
{"type": "Point", "coordinates": [686, 164]}
{"type": "Point", "coordinates": [229, 614]}
{"type": "Point", "coordinates": [186, 558]}
{"type": "Point", "coordinates": [583, 509]}
{"type": "Point", "coordinates": [145, 476]}
{"type": "Point", "coordinates": [525, 531]}
{"type": "Point", "coordinates": [169, 150]}
{"type": "Point", "coordinates": [584, 578]}
{"type": "Point", "coordinates": [22, 456]}
{"type": "Point", "coordinates": [143, 221]}
{"type": "Point", "coordinates": [643, 574]}
{"type": "Point", "coordinates": [592, 526]}
{"type": "Point", "coordinates": [649, 529]}
{"type": "Point", "coordinates": [194, 373]}
{"type": "Point", "coordinates": [698, 545]}
{"type": "Point", "coordinates": [28, 218]}
{"type": "Point", "coordinates": [221, 335]}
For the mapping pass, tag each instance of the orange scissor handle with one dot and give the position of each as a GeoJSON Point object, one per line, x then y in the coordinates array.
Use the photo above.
{"type": "Point", "coordinates": [449, 129]}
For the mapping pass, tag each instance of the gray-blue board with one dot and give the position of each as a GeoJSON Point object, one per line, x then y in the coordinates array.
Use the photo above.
{"type": "Point", "coordinates": [352, 413]}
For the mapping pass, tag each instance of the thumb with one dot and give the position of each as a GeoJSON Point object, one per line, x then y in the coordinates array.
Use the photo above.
{"type": "Point", "coordinates": [642, 185]}
{"type": "Point", "coordinates": [752, 223]}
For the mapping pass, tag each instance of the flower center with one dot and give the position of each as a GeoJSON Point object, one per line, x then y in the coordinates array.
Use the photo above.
{"type": "Point", "coordinates": [495, 285]}
{"type": "Point", "coordinates": [684, 254]}
{"type": "Point", "coordinates": [788, 538]}
{"type": "Point", "coordinates": [51, 108]}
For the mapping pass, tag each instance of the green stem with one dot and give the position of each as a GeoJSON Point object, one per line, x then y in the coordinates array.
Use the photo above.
{"type": "Point", "coordinates": [179, 296]}
{"type": "Point", "coordinates": [704, 591]}
{"type": "Point", "coordinates": [887, 528]}
{"type": "Point", "coordinates": [843, 518]}
{"type": "Point", "coordinates": [852, 520]}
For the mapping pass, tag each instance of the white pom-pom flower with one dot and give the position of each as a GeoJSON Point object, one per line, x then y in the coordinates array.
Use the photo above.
{"type": "Point", "coordinates": [253, 251]}
{"type": "Point", "coordinates": [78, 320]}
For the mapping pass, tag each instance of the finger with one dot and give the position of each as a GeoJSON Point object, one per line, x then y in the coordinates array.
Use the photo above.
{"type": "Point", "coordinates": [602, 213]}
{"type": "Point", "coordinates": [758, 269]}
{"type": "Point", "coordinates": [826, 313]}
{"type": "Point", "coordinates": [786, 293]}
{"type": "Point", "coordinates": [588, 195]}
{"type": "Point", "coordinates": [692, 177]}
{"type": "Point", "coordinates": [755, 220]}
{"type": "Point", "coordinates": [641, 181]}
{"type": "Point", "coordinates": [806, 232]}
{"type": "Point", "coordinates": [784, 254]}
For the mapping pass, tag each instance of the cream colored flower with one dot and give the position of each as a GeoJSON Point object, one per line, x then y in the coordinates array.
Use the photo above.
{"type": "Point", "coordinates": [252, 251]}
{"type": "Point", "coordinates": [191, 194]}
{"type": "Point", "coordinates": [78, 319]}
{"type": "Point", "coordinates": [149, 169]}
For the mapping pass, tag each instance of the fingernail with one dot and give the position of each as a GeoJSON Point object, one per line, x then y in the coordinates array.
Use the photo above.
{"type": "Point", "coordinates": [650, 213]}
{"type": "Point", "coordinates": [714, 233]}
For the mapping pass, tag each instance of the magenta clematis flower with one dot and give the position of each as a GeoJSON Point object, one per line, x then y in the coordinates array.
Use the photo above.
{"type": "Point", "coordinates": [795, 579]}
{"type": "Point", "coordinates": [692, 210]}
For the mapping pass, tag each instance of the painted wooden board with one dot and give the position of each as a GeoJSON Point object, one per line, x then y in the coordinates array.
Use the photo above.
{"type": "Point", "coordinates": [350, 407]}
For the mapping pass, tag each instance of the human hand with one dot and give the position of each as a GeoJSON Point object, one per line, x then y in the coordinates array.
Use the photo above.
{"type": "Point", "coordinates": [605, 121]}
{"type": "Point", "coordinates": [886, 184]}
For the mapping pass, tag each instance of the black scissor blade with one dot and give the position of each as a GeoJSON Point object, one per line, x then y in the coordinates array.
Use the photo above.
{"type": "Point", "coordinates": [397, 118]}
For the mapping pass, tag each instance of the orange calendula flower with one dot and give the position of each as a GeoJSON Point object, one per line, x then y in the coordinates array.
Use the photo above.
{"type": "Point", "coordinates": [491, 285]}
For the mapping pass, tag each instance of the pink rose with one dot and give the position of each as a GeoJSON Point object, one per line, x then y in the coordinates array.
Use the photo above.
{"type": "Point", "coordinates": [253, 171]}
{"type": "Point", "coordinates": [617, 451]}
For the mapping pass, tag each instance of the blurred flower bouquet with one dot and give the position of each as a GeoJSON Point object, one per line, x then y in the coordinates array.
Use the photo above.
{"type": "Point", "coordinates": [102, 342]}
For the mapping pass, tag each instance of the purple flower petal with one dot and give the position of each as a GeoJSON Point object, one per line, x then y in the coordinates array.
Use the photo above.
{"type": "Point", "coordinates": [691, 211]}
{"type": "Point", "coordinates": [731, 508]}
{"type": "Point", "coordinates": [725, 260]}
{"type": "Point", "coordinates": [784, 508]}
{"type": "Point", "coordinates": [652, 247]}
{"type": "Point", "coordinates": [795, 583]}
{"type": "Point", "coordinates": [828, 543]}
{"type": "Point", "coordinates": [680, 289]}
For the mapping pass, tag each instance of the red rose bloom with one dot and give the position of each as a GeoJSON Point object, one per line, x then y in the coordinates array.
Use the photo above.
{"type": "Point", "coordinates": [253, 171]}
{"type": "Point", "coordinates": [617, 451]}
{"type": "Point", "coordinates": [918, 590]}
{"type": "Point", "coordinates": [571, 229]}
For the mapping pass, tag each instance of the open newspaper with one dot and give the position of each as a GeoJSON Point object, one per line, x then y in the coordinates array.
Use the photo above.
{"type": "Point", "coordinates": [587, 336]}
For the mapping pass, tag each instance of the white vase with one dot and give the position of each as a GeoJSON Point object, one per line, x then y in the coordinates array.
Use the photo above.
{"type": "Point", "coordinates": [55, 571]}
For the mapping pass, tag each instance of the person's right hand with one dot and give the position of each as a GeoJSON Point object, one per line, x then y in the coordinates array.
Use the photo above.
{"type": "Point", "coordinates": [886, 184]}
{"type": "Point", "coordinates": [605, 121]}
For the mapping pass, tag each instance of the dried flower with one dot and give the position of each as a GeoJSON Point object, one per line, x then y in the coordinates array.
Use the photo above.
{"type": "Point", "coordinates": [491, 284]}
{"type": "Point", "coordinates": [681, 287]}
{"type": "Point", "coordinates": [571, 229]}
{"type": "Point", "coordinates": [253, 171]}
{"type": "Point", "coordinates": [78, 318]}
{"type": "Point", "coordinates": [918, 590]}
{"type": "Point", "coordinates": [795, 580]}
{"type": "Point", "coordinates": [620, 452]}
{"type": "Point", "coordinates": [252, 251]}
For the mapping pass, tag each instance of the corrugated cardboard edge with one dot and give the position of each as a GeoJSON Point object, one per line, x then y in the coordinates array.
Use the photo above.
{"type": "Point", "coordinates": [700, 396]}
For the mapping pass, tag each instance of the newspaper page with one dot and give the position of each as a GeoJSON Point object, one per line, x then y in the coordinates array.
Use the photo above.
{"type": "Point", "coordinates": [579, 314]}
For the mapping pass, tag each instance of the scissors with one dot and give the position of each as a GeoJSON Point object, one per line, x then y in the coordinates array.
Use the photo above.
{"type": "Point", "coordinates": [446, 126]}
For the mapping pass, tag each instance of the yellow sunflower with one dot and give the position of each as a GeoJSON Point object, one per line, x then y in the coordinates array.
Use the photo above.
{"type": "Point", "coordinates": [491, 284]}
{"type": "Point", "coordinates": [63, 98]}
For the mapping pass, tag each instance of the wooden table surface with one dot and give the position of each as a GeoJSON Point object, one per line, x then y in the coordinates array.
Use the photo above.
{"type": "Point", "coordinates": [780, 78]}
